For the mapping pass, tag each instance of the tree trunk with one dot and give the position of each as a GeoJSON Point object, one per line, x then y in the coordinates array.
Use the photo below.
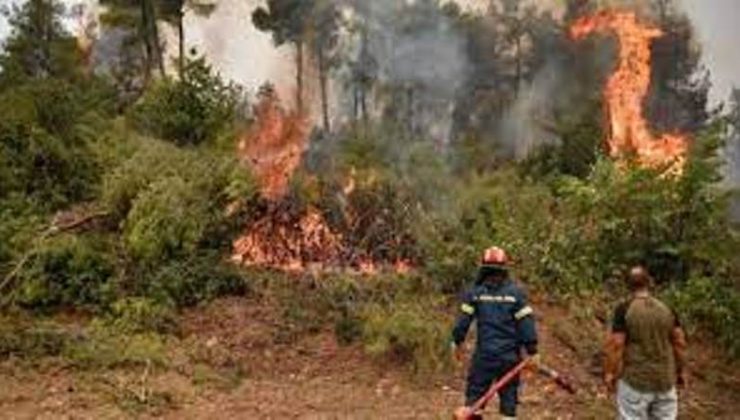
{"type": "Point", "coordinates": [299, 77]}
{"type": "Point", "coordinates": [151, 35]}
{"type": "Point", "coordinates": [181, 44]}
{"type": "Point", "coordinates": [148, 63]}
{"type": "Point", "coordinates": [410, 110]}
{"type": "Point", "coordinates": [356, 103]}
{"type": "Point", "coordinates": [518, 62]}
{"type": "Point", "coordinates": [155, 41]}
{"type": "Point", "coordinates": [363, 103]}
{"type": "Point", "coordinates": [324, 88]}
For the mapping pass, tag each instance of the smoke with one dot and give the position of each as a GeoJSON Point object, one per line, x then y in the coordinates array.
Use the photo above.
{"type": "Point", "coordinates": [716, 23]}
{"type": "Point", "coordinates": [415, 50]}
{"type": "Point", "coordinates": [238, 50]}
{"type": "Point", "coordinates": [523, 128]}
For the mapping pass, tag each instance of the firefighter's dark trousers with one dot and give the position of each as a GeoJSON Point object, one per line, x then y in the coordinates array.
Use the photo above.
{"type": "Point", "coordinates": [483, 373]}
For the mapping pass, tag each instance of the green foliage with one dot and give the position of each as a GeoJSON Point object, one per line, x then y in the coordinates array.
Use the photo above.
{"type": "Point", "coordinates": [191, 281]}
{"type": "Point", "coordinates": [497, 209]}
{"type": "Point", "coordinates": [104, 348]}
{"type": "Point", "coordinates": [582, 139]}
{"type": "Point", "coordinates": [97, 346]}
{"type": "Point", "coordinates": [408, 333]}
{"type": "Point", "coordinates": [45, 139]}
{"type": "Point", "coordinates": [66, 271]}
{"type": "Point", "coordinates": [39, 46]}
{"type": "Point", "coordinates": [171, 201]}
{"type": "Point", "coordinates": [137, 315]}
{"type": "Point", "coordinates": [19, 226]}
{"type": "Point", "coordinates": [710, 304]}
{"type": "Point", "coordinates": [18, 339]}
{"type": "Point", "coordinates": [168, 219]}
{"type": "Point", "coordinates": [191, 110]}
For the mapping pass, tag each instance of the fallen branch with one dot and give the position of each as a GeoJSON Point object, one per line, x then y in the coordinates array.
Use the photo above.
{"type": "Point", "coordinates": [49, 232]}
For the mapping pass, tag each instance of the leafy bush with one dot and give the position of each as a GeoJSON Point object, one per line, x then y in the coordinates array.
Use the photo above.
{"type": "Point", "coordinates": [18, 339]}
{"type": "Point", "coordinates": [407, 333]}
{"type": "Point", "coordinates": [20, 223]}
{"type": "Point", "coordinates": [44, 145]}
{"type": "Point", "coordinates": [497, 209]}
{"type": "Point", "coordinates": [105, 348]}
{"type": "Point", "coordinates": [66, 271]}
{"type": "Point", "coordinates": [137, 315]}
{"type": "Point", "coordinates": [712, 303]}
{"type": "Point", "coordinates": [168, 219]}
{"type": "Point", "coordinates": [188, 111]}
{"type": "Point", "coordinates": [190, 281]}
{"type": "Point", "coordinates": [170, 201]}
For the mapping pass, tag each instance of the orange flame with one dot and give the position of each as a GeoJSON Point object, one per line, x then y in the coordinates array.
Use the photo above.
{"type": "Point", "coordinates": [290, 243]}
{"type": "Point", "coordinates": [627, 88]}
{"type": "Point", "coordinates": [274, 146]}
{"type": "Point", "coordinates": [282, 236]}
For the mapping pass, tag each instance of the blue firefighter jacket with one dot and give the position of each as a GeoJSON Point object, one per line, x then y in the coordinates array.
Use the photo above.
{"type": "Point", "coordinates": [505, 322]}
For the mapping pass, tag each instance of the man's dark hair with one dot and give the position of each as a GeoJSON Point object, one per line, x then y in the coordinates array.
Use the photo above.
{"type": "Point", "coordinates": [639, 278]}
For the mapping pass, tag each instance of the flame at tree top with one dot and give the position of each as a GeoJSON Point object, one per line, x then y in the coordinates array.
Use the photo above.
{"type": "Point", "coordinates": [627, 87]}
{"type": "Point", "coordinates": [273, 148]}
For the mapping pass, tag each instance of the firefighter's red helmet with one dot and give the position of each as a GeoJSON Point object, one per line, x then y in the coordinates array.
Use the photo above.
{"type": "Point", "coordinates": [495, 257]}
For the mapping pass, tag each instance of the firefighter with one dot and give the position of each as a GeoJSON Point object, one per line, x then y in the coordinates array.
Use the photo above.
{"type": "Point", "coordinates": [505, 327]}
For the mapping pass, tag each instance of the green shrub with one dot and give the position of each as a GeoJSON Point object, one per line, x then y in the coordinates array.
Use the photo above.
{"type": "Point", "coordinates": [168, 219]}
{"type": "Point", "coordinates": [137, 315]}
{"type": "Point", "coordinates": [188, 111]}
{"type": "Point", "coordinates": [20, 224]}
{"type": "Point", "coordinates": [66, 271]}
{"type": "Point", "coordinates": [713, 304]}
{"type": "Point", "coordinates": [498, 209]}
{"type": "Point", "coordinates": [47, 129]}
{"type": "Point", "coordinates": [218, 178]}
{"type": "Point", "coordinates": [408, 333]}
{"type": "Point", "coordinates": [105, 348]}
{"type": "Point", "coordinates": [18, 339]}
{"type": "Point", "coordinates": [191, 281]}
{"type": "Point", "coordinates": [348, 328]}
{"type": "Point", "coordinates": [170, 201]}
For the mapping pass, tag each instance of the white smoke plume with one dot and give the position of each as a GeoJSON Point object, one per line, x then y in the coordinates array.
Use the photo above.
{"type": "Point", "coordinates": [424, 60]}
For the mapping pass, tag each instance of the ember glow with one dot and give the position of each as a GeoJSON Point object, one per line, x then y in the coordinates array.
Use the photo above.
{"type": "Point", "coordinates": [289, 242]}
{"type": "Point", "coordinates": [627, 87]}
{"type": "Point", "coordinates": [282, 237]}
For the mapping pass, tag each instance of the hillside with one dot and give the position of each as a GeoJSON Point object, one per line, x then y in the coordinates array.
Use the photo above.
{"type": "Point", "coordinates": [231, 363]}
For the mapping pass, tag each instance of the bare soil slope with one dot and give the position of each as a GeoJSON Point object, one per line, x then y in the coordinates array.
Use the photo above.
{"type": "Point", "coordinates": [234, 362]}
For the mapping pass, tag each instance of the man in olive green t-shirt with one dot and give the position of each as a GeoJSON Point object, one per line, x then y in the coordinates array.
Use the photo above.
{"type": "Point", "coordinates": [645, 354]}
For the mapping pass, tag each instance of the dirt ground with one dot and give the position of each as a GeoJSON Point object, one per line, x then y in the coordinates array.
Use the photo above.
{"type": "Point", "coordinates": [231, 364]}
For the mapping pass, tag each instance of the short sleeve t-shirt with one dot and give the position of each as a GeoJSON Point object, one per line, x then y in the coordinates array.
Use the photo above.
{"type": "Point", "coordinates": [649, 364]}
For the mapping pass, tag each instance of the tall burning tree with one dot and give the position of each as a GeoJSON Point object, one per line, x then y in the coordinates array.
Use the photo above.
{"type": "Point", "coordinates": [626, 89]}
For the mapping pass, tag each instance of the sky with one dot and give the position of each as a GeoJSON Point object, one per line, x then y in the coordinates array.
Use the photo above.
{"type": "Point", "coordinates": [717, 23]}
